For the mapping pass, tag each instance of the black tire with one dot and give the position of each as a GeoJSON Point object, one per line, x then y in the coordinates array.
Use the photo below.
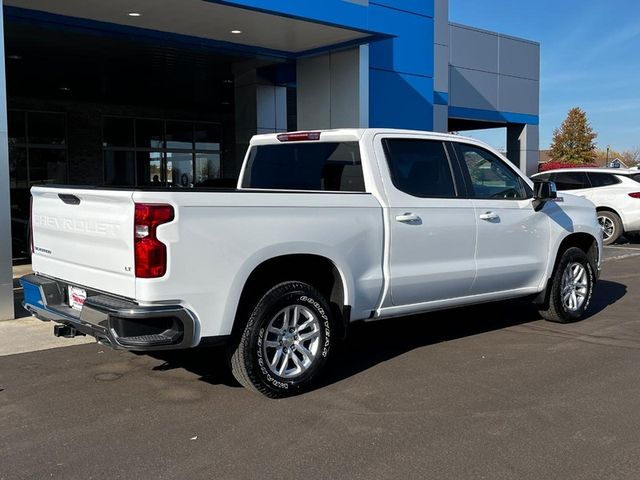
{"type": "Point", "coordinates": [556, 310]}
{"type": "Point", "coordinates": [613, 224]}
{"type": "Point", "coordinates": [250, 355]}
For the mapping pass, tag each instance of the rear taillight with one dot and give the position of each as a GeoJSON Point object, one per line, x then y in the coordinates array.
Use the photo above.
{"type": "Point", "coordinates": [150, 253]}
{"type": "Point", "coordinates": [635, 195]}
{"type": "Point", "coordinates": [31, 225]}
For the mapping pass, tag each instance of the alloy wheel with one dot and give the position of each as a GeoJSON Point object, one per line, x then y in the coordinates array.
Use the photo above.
{"type": "Point", "coordinates": [292, 341]}
{"type": "Point", "coordinates": [574, 286]}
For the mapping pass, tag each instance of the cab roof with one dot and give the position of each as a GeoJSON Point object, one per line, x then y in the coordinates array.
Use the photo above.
{"type": "Point", "coordinates": [348, 134]}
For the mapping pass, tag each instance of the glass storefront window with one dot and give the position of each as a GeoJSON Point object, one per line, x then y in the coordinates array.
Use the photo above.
{"type": "Point", "coordinates": [180, 169]}
{"type": "Point", "coordinates": [119, 168]}
{"type": "Point", "coordinates": [149, 168]}
{"type": "Point", "coordinates": [47, 166]}
{"type": "Point", "coordinates": [46, 128]}
{"type": "Point", "coordinates": [18, 167]}
{"type": "Point", "coordinates": [207, 136]}
{"type": "Point", "coordinates": [37, 156]}
{"type": "Point", "coordinates": [180, 135]}
{"type": "Point", "coordinates": [165, 152]}
{"type": "Point", "coordinates": [117, 132]}
{"type": "Point", "coordinates": [149, 134]}
{"type": "Point", "coordinates": [207, 169]}
{"type": "Point", "coordinates": [17, 127]}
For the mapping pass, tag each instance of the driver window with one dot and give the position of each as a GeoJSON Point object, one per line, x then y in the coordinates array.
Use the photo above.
{"type": "Point", "coordinates": [490, 177]}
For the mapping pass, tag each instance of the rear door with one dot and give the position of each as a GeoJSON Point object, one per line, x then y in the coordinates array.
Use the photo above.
{"type": "Point", "coordinates": [432, 230]}
{"type": "Point", "coordinates": [513, 239]}
{"type": "Point", "coordinates": [85, 237]}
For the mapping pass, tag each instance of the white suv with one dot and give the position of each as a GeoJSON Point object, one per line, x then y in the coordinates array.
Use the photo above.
{"type": "Point", "coordinates": [614, 191]}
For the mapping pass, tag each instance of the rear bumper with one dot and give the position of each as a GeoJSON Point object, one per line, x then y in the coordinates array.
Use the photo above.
{"type": "Point", "coordinates": [112, 320]}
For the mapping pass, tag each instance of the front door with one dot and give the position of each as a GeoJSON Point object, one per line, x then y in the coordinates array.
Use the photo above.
{"type": "Point", "coordinates": [513, 239]}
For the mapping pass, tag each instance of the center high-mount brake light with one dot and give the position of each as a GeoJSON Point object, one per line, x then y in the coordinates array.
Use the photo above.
{"type": "Point", "coordinates": [150, 253]}
{"type": "Point", "coordinates": [635, 195]}
{"type": "Point", "coordinates": [298, 136]}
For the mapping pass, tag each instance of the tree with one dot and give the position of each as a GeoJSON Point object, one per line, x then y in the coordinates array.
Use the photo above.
{"type": "Point", "coordinates": [631, 157]}
{"type": "Point", "coordinates": [574, 141]}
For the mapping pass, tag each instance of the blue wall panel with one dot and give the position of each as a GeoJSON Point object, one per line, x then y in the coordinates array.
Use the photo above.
{"type": "Point", "coordinates": [399, 100]}
{"type": "Point", "coordinates": [440, 98]}
{"type": "Point", "coordinates": [422, 7]}
{"type": "Point", "coordinates": [411, 51]}
{"type": "Point", "coordinates": [401, 68]}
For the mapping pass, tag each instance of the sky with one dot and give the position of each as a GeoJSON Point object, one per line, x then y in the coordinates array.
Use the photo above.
{"type": "Point", "coordinates": [589, 58]}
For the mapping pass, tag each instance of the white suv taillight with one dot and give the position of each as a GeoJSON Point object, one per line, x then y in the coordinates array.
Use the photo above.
{"type": "Point", "coordinates": [150, 253]}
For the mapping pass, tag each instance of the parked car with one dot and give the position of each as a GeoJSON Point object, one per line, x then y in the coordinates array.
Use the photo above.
{"type": "Point", "coordinates": [614, 191]}
{"type": "Point", "coordinates": [324, 229]}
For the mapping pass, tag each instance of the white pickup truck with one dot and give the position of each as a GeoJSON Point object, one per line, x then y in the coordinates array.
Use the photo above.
{"type": "Point", "coordinates": [325, 228]}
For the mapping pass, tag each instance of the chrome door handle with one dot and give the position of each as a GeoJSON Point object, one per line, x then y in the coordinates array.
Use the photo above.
{"type": "Point", "coordinates": [407, 217]}
{"type": "Point", "coordinates": [489, 216]}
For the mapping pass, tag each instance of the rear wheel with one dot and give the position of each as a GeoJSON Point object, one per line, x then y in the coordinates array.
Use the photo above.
{"type": "Point", "coordinates": [611, 226]}
{"type": "Point", "coordinates": [571, 288]}
{"type": "Point", "coordinates": [286, 341]}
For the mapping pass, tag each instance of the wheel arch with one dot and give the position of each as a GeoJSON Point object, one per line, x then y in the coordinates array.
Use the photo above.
{"type": "Point", "coordinates": [316, 270]}
{"type": "Point", "coordinates": [606, 208]}
{"type": "Point", "coordinates": [585, 242]}
{"type": "Point", "coordinates": [582, 240]}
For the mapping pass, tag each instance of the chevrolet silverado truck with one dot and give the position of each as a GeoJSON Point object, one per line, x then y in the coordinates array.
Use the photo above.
{"type": "Point", "coordinates": [324, 228]}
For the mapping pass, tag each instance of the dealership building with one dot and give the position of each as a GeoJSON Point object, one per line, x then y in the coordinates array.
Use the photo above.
{"type": "Point", "coordinates": [169, 92]}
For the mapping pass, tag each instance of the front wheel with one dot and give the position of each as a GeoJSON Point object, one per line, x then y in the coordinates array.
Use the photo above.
{"type": "Point", "coordinates": [571, 288]}
{"type": "Point", "coordinates": [286, 341]}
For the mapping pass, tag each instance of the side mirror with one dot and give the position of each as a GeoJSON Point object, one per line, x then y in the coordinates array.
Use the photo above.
{"type": "Point", "coordinates": [544, 190]}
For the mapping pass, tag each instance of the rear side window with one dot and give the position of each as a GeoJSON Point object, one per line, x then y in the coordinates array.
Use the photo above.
{"type": "Point", "coordinates": [419, 167]}
{"type": "Point", "coordinates": [570, 180]}
{"type": "Point", "coordinates": [323, 166]}
{"type": "Point", "coordinates": [602, 179]}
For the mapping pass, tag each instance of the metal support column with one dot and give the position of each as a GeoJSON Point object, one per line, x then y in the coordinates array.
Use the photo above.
{"type": "Point", "coordinates": [523, 147]}
{"type": "Point", "coordinates": [6, 275]}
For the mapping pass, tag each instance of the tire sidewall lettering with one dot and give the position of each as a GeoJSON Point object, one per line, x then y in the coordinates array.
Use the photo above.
{"type": "Point", "coordinates": [325, 323]}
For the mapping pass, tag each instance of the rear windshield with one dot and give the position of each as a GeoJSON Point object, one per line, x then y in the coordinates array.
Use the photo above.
{"type": "Point", "coordinates": [326, 166]}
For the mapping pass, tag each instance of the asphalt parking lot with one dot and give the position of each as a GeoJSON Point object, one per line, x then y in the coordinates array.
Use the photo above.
{"type": "Point", "coordinates": [486, 392]}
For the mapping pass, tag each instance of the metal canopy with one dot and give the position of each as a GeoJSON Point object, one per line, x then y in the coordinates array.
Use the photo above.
{"type": "Point", "coordinates": [204, 20]}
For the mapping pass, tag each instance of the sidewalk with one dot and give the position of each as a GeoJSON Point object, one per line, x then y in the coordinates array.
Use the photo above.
{"type": "Point", "coordinates": [27, 333]}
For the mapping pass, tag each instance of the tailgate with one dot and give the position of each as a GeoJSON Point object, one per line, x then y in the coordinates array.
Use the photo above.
{"type": "Point", "coordinates": [85, 237]}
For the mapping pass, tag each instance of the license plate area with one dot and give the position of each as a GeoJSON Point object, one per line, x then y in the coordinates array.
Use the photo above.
{"type": "Point", "coordinates": [76, 296]}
